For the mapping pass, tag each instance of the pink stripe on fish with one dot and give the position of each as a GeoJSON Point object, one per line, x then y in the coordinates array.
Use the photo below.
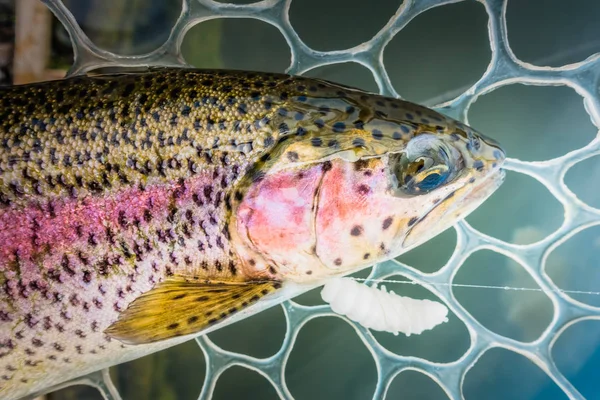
{"type": "Point", "coordinates": [61, 224]}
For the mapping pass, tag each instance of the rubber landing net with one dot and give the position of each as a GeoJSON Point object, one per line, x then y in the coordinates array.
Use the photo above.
{"type": "Point", "coordinates": [503, 69]}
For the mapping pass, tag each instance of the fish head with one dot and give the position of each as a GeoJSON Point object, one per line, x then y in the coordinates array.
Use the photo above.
{"type": "Point", "coordinates": [320, 209]}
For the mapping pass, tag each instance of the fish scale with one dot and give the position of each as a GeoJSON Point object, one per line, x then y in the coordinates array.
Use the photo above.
{"type": "Point", "coordinates": [118, 196]}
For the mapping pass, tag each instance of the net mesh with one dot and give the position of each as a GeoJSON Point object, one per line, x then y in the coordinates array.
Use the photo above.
{"type": "Point", "coordinates": [505, 68]}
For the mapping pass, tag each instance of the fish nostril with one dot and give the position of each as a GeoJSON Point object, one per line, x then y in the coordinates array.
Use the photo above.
{"type": "Point", "coordinates": [474, 144]}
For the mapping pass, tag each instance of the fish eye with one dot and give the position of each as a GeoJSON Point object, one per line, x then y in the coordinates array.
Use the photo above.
{"type": "Point", "coordinates": [426, 164]}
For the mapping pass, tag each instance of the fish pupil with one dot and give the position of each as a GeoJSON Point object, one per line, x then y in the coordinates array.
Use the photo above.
{"type": "Point", "coordinates": [431, 182]}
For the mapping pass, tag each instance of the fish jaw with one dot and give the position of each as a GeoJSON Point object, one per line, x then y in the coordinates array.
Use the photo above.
{"type": "Point", "coordinates": [481, 175]}
{"type": "Point", "coordinates": [447, 213]}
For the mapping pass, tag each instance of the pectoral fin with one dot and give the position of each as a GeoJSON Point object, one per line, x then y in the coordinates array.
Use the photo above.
{"type": "Point", "coordinates": [179, 307]}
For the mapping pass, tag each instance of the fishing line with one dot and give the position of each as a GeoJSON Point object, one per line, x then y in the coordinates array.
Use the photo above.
{"type": "Point", "coordinates": [514, 288]}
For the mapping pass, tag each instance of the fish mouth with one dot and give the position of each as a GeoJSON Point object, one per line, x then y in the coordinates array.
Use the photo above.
{"type": "Point", "coordinates": [442, 216]}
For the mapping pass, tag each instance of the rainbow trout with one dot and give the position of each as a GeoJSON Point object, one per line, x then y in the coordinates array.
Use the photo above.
{"type": "Point", "coordinates": [138, 209]}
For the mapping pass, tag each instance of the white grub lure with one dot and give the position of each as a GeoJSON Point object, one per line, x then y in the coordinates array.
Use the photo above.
{"type": "Point", "coordinates": [380, 310]}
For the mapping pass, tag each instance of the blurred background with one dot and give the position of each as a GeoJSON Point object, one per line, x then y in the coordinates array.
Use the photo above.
{"type": "Point", "coordinates": [439, 55]}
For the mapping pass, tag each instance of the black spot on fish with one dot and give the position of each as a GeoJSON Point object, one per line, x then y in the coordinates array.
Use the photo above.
{"type": "Point", "coordinates": [283, 128]}
{"type": "Point", "coordinates": [363, 189]}
{"type": "Point", "coordinates": [360, 164]}
{"type": "Point", "coordinates": [269, 141]}
{"type": "Point", "coordinates": [122, 219]}
{"type": "Point", "coordinates": [377, 134]}
{"type": "Point", "coordinates": [316, 142]}
{"type": "Point", "coordinates": [412, 221]}
{"type": "Point", "coordinates": [386, 223]}
{"type": "Point", "coordinates": [358, 142]}
{"type": "Point", "coordinates": [357, 230]}
{"type": "Point", "coordinates": [339, 127]}
{"type": "Point", "coordinates": [66, 265]}
{"type": "Point", "coordinates": [147, 215]}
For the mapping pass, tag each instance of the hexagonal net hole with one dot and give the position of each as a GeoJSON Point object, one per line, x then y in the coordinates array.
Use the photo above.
{"type": "Point", "coordinates": [520, 315]}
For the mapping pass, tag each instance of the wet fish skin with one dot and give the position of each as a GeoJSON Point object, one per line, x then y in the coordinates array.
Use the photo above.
{"type": "Point", "coordinates": [110, 185]}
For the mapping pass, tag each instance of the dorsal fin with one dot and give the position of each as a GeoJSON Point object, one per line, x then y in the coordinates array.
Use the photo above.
{"type": "Point", "coordinates": [178, 307]}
